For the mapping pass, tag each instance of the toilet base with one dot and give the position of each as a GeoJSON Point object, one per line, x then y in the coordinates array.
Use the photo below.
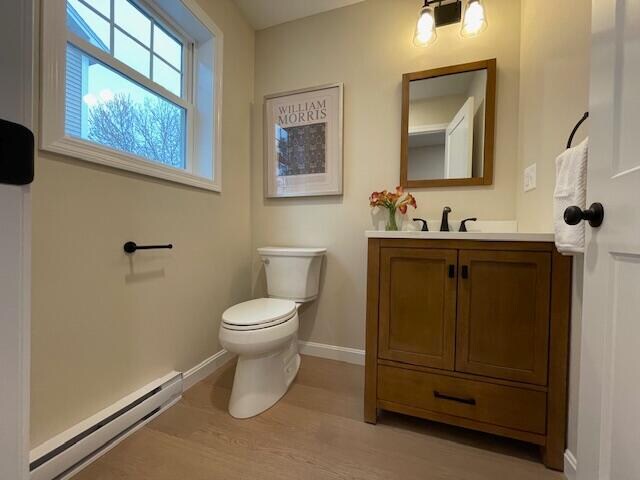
{"type": "Point", "coordinates": [260, 381]}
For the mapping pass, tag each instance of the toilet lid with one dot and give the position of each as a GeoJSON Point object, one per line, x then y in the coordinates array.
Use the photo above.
{"type": "Point", "coordinates": [259, 311]}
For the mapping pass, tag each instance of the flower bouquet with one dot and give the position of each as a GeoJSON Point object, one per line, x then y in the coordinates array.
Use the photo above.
{"type": "Point", "coordinates": [392, 202]}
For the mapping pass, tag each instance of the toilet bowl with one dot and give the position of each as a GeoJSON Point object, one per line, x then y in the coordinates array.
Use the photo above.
{"type": "Point", "coordinates": [264, 332]}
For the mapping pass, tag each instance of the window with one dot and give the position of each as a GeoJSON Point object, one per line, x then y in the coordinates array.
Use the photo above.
{"type": "Point", "coordinates": [134, 84]}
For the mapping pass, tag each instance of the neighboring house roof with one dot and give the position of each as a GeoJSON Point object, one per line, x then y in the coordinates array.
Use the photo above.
{"type": "Point", "coordinates": [77, 25]}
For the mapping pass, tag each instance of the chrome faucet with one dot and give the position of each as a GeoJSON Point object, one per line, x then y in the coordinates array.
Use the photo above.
{"type": "Point", "coordinates": [444, 224]}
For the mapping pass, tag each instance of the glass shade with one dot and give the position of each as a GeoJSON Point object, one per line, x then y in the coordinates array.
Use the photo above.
{"type": "Point", "coordinates": [425, 28]}
{"type": "Point", "coordinates": [474, 19]}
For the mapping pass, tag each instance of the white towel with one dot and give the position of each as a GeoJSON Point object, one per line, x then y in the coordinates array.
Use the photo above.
{"type": "Point", "coordinates": [571, 189]}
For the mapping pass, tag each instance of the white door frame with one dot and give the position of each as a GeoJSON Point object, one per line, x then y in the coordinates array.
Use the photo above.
{"type": "Point", "coordinates": [17, 28]}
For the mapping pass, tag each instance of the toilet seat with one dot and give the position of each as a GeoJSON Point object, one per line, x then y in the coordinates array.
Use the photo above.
{"type": "Point", "coordinates": [258, 314]}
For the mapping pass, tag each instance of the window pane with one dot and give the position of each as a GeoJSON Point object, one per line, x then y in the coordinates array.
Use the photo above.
{"type": "Point", "coordinates": [166, 76]}
{"type": "Point", "coordinates": [109, 109]}
{"type": "Point", "coordinates": [167, 47]}
{"type": "Point", "coordinates": [88, 25]}
{"type": "Point", "coordinates": [103, 6]}
{"type": "Point", "coordinates": [133, 21]}
{"type": "Point", "coordinates": [132, 53]}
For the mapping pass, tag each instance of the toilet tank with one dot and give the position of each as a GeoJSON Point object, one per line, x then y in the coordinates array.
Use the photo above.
{"type": "Point", "coordinates": [292, 273]}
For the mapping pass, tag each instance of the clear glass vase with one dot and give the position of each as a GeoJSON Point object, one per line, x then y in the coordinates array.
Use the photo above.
{"type": "Point", "coordinates": [391, 225]}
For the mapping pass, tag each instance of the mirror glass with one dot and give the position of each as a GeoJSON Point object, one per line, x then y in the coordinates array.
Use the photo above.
{"type": "Point", "coordinates": [446, 137]}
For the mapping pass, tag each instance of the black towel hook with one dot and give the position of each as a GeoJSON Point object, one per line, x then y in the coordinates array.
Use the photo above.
{"type": "Point", "coordinates": [575, 129]}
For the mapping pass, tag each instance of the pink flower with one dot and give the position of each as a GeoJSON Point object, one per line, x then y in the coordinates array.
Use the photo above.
{"type": "Point", "coordinates": [391, 201]}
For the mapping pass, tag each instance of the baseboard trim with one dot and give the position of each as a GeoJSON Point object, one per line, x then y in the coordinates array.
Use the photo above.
{"type": "Point", "coordinates": [205, 368]}
{"type": "Point", "coordinates": [332, 352]}
{"type": "Point", "coordinates": [75, 448]}
{"type": "Point", "coordinates": [115, 442]}
{"type": "Point", "coordinates": [570, 465]}
{"type": "Point", "coordinates": [188, 380]}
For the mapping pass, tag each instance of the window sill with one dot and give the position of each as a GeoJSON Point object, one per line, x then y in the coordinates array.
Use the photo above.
{"type": "Point", "coordinates": [86, 151]}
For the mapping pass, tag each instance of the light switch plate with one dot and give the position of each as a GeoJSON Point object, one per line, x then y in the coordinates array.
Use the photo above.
{"type": "Point", "coordinates": [530, 178]}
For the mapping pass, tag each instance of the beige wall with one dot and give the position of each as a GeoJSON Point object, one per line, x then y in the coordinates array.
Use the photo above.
{"type": "Point", "coordinates": [435, 111]}
{"type": "Point", "coordinates": [368, 47]}
{"type": "Point", "coordinates": [104, 325]}
{"type": "Point", "coordinates": [554, 93]}
{"type": "Point", "coordinates": [426, 162]}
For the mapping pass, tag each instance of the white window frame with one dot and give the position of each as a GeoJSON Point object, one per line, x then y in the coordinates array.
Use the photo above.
{"type": "Point", "coordinates": [202, 170]}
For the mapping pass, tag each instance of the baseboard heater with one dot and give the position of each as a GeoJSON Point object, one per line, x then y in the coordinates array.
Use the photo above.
{"type": "Point", "coordinates": [69, 452]}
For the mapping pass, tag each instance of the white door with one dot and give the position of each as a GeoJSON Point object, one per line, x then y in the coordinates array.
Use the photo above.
{"type": "Point", "coordinates": [609, 409]}
{"type": "Point", "coordinates": [16, 29]}
{"type": "Point", "coordinates": [458, 151]}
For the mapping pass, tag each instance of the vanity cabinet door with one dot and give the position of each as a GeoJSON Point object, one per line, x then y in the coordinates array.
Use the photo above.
{"type": "Point", "coordinates": [418, 306]}
{"type": "Point", "coordinates": [503, 314]}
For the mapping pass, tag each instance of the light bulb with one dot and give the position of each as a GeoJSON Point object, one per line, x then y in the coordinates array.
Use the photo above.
{"type": "Point", "coordinates": [474, 20]}
{"type": "Point", "coordinates": [425, 28]}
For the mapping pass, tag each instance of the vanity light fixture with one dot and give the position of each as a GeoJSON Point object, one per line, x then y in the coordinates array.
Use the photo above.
{"type": "Point", "coordinates": [474, 20]}
{"type": "Point", "coordinates": [426, 27]}
{"type": "Point", "coordinates": [448, 12]}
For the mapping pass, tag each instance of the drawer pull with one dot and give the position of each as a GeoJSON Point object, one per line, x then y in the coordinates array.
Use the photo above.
{"type": "Point", "coordinates": [443, 396]}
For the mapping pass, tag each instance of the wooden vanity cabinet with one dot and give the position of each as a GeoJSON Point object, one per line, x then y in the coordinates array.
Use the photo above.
{"type": "Point", "coordinates": [471, 333]}
{"type": "Point", "coordinates": [418, 306]}
{"type": "Point", "coordinates": [503, 314]}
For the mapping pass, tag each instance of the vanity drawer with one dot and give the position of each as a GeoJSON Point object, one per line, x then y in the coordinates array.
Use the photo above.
{"type": "Point", "coordinates": [505, 406]}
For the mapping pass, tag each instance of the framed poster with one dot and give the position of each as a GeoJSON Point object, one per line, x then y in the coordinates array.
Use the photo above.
{"type": "Point", "coordinates": [303, 142]}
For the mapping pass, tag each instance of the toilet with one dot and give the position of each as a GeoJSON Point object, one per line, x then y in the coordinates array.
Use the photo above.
{"type": "Point", "coordinates": [264, 332]}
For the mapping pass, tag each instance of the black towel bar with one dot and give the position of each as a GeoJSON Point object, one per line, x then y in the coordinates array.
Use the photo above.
{"type": "Point", "coordinates": [131, 247]}
{"type": "Point", "coordinates": [575, 129]}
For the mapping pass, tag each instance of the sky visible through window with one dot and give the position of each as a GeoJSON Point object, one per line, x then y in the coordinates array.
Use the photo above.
{"type": "Point", "coordinates": [132, 39]}
{"type": "Point", "coordinates": [104, 84]}
{"type": "Point", "coordinates": [106, 92]}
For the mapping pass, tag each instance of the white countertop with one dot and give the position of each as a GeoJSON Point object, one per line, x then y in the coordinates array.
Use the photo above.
{"type": "Point", "coordinates": [490, 236]}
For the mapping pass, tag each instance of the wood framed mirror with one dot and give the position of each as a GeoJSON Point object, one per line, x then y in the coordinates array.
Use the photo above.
{"type": "Point", "coordinates": [448, 125]}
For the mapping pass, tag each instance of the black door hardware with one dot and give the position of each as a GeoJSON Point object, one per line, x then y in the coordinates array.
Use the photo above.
{"type": "Point", "coordinates": [444, 396]}
{"type": "Point", "coordinates": [465, 271]}
{"type": "Point", "coordinates": [594, 215]}
{"type": "Point", "coordinates": [463, 224]}
{"type": "Point", "coordinates": [16, 154]}
{"type": "Point", "coordinates": [425, 227]}
{"type": "Point", "coordinates": [131, 247]}
{"type": "Point", "coordinates": [452, 271]}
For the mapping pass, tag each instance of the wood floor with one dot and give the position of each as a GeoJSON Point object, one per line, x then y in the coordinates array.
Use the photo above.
{"type": "Point", "coordinates": [315, 432]}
